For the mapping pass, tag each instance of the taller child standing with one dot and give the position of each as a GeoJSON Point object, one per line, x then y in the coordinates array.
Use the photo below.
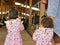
{"type": "Point", "coordinates": [14, 27]}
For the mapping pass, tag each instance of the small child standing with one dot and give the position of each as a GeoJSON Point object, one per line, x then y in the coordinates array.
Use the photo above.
{"type": "Point", "coordinates": [14, 27]}
{"type": "Point", "coordinates": [44, 34]}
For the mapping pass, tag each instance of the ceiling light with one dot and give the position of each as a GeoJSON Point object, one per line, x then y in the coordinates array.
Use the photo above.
{"type": "Point", "coordinates": [26, 6]}
{"type": "Point", "coordinates": [16, 3]}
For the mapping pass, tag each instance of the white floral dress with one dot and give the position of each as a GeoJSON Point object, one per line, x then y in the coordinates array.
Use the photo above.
{"type": "Point", "coordinates": [43, 36]}
{"type": "Point", "coordinates": [13, 32]}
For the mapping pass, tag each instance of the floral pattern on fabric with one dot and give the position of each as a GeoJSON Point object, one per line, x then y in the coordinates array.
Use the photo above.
{"type": "Point", "coordinates": [13, 36]}
{"type": "Point", "coordinates": [43, 36]}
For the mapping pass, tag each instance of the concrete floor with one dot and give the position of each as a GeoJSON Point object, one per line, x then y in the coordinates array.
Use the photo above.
{"type": "Point", "coordinates": [27, 40]}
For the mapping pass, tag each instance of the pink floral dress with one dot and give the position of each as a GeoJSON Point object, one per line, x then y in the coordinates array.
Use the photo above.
{"type": "Point", "coordinates": [13, 32]}
{"type": "Point", "coordinates": [43, 36]}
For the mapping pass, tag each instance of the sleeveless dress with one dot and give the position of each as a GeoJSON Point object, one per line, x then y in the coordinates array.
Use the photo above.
{"type": "Point", "coordinates": [13, 32]}
{"type": "Point", "coordinates": [43, 36]}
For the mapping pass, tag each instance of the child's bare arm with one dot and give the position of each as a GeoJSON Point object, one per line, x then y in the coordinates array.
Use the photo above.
{"type": "Point", "coordinates": [52, 17]}
{"type": "Point", "coordinates": [35, 35]}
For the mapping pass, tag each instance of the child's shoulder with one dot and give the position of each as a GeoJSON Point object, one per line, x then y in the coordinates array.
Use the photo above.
{"type": "Point", "coordinates": [15, 20]}
{"type": "Point", "coordinates": [43, 29]}
{"type": "Point", "coordinates": [40, 29]}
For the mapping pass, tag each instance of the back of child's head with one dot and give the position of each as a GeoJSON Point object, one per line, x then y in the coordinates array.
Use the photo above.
{"type": "Point", "coordinates": [13, 13]}
{"type": "Point", "coordinates": [47, 22]}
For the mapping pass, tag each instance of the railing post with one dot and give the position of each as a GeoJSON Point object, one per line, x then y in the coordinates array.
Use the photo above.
{"type": "Point", "coordinates": [42, 10]}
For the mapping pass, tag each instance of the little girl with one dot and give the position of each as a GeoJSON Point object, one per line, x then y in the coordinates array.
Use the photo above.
{"type": "Point", "coordinates": [44, 34]}
{"type": "Point", "coordinates": [14, 27]}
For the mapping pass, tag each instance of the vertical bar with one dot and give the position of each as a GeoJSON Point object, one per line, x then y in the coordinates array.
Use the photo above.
{"type": "Point", "coordinates": [1, 8]}
{"type": "Point", "coordinates": [26, 6]}
{"type": "Point", "coordinates": [14, 3]}
{"type": "Point", "coordinates": [42, 10]}
{"type": "Point", "coordinates": [5, 12]}
{"type": "Point", "coordinates": [30, 14]}
{"type": "Point", "coordinates": [0, 2]}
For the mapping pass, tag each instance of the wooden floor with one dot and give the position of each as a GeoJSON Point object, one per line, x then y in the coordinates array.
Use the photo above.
{"type": "Point", "coordinates": [27, 40]}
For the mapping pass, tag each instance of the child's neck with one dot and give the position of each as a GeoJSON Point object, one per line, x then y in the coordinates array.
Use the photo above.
{"type": "Point", "coordinates": [11, 19]}
{"type": "Point", "coordinates": [41, 26]}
